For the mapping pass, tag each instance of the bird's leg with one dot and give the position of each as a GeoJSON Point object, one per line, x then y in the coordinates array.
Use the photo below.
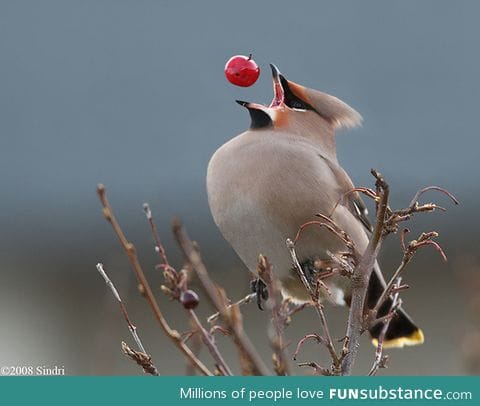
{"type": "Point", "coordinates": [259, 287]}
{"type": "Point", "coordinates": [310, 271]}
{"type": "Point", "coordinates": [317, 269]}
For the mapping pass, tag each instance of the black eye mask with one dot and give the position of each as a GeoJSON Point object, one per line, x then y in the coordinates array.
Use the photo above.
{"type": "Point", "coordinates": [291, 100]}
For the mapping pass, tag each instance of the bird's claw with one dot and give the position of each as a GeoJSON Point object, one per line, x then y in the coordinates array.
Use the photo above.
{"type": "Point", "coordinates": [258, 286]}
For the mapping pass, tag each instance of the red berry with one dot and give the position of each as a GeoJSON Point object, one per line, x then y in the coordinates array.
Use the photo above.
{"type": "Point", "coordinates": [242, 70]}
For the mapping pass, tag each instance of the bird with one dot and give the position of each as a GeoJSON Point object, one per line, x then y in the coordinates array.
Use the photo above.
{"type": "Point", "coordinates": [263, 184]}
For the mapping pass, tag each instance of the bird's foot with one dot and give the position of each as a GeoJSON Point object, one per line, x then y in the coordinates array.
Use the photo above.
{"type": "Point", "coordinates": [258, 286]}
{"type": "Point", "coordinates": [315, 270]}
{"type": "Point", "coordinates": [310, 271]}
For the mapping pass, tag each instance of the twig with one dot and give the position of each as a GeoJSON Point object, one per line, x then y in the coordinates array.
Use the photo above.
{"type": "Point", "coordinates": [252, 361]}
{"type": "Point", "coordinates": [131, 327]}
{"type": "Point", "coordinates": [133, 330]}
{"type": "Point", "coordinates": [396, 217]}
{"type": "Point", "coordinates": [381, 360]}
{"type": "Point", "coordinates": [312, 336]}
{"type": "Point", "coordinates": [158, 244]}
{"type": "Point", "coordinates": [387, 221]}
{"type": "Point", "coordinates": [408, 253]}
{"type": "Point", "coordinates": [361, 276]}
{"type": "Point", "coordinates": [342, 263]}
{"type": "Point", "coordinates": [222, 366]}
{"type": "Point", "coordinates": [142, 359]}
{"type": "Point", "coordinates": [330, 225]}
{"type": "Point", "coordinates": [318, 306]}
{"type": "Point", "coordinates": [426, 189]}
{"type": "Point", "coordinates": [178, 285]}
{"type": "Point", "coordinates": [319, 370]}
{"type": "Point", "coordinates": [292, 309]}
{"type": "Point", "coordinates": [129, 249]}
{"type": "Point", "coordinates": [388, 289]}
{"type": "Point", "coordinates": [277, 340]}
{"type": "Point", "coordinates": [218, 329]}
{"type": "Point", "coordinates": [245, 300]}
{"type": "Point", "coordinates": [196, 345]}
{"type": "Point", "coordinates": [366, 191]}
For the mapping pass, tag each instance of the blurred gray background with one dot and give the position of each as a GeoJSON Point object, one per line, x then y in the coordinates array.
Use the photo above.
{"type": "Point", "coordinates": [132, 94]}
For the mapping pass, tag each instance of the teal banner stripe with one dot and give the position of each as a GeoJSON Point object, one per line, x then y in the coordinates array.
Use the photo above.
{"type": "Point", "coordinates": [213, 391]}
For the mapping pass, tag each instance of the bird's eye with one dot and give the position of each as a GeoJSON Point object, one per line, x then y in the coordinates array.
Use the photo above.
{"type": "Point", "coordinates": [291, 100]}
{"type": "Point", "coordinates": [297, 105]}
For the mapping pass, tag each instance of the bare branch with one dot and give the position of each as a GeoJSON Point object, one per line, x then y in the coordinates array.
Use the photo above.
{"type": "Point", "coordinates": [366, 191]}
{"type": "Point", "coordinates": [158, 244]}
{"type": "Point", "coordinates": [426, 189]}
{"type": "Point", "coordinates": [381, 360]}
{"type": "Point", "coordinates": [408, 254]}
{"type": "Point", "coordinates": [245, 300]}
{"type": "Point", "coordinates": [330, 225]}
{"type": "Point", "coordinates": [361, 276]}
{"type": "Point", "coordinates": [318, 306]}
{"type": "Point", "coordinates": [350, 263]}
{"type": "Point", "coordinates": [131, 327]}
{"type": "Point", "coordinates": [277, 340]}
{"type": "Point", "coordinates": [129, 249]}
{"type": "Point", "coordinates": [342, 263]}
{"type": "Point", "coordinates": [142, 359]}
{"type": "Point", "coordinates": [312, 336]}
{"type": "Point", "coordinates": [394, 218]}
{"type": "Point", "coordinates": [255, 363]}
{"type": "Point", "coordinates": [177, 289]}
{"type": "Point", "coordinates": [222, 366]}
{"type": "Point", "coordinates": [148, 367]}
{"type": "Point", "coordinates": [318, 369]}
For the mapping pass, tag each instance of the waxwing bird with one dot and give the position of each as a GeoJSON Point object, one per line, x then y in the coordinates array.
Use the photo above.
{"type": "Point", "coordinates": [266, 182]}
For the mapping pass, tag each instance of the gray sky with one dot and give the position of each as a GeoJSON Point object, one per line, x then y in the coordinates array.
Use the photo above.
{"type": "Point", "coordinates": [132, 94]}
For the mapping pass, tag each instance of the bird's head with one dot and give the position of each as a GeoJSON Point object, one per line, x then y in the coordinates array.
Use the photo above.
{"type": "Point", "coordinates": [298, 108]}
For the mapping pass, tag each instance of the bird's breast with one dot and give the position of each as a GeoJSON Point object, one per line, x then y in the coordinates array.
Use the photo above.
{"type": "Point", "coordinates": [261, 190]}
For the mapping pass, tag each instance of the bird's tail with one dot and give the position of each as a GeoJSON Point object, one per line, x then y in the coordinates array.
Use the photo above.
{"type": "Point", "coordinates": [401, 330]}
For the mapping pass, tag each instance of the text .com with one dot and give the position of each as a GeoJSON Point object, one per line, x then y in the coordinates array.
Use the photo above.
{"type": "Point", "coordinates": [381, 393]}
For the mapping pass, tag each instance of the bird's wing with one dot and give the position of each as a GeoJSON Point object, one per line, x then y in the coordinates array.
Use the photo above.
{"type": "Point", "coordinates": [352, 200]}
{"type": "Point", "coordinates": [360, 210]}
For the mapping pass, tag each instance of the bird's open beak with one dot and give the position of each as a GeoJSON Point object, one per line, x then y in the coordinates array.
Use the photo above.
{"type": "Point", "coordinates": [260, 118]}
{"type": "Point", "coordinates": [278, 93]}
{"type": "Point", "coordinates": [249, 105]}
{"type": "Point", "coordinates": [279, 82]}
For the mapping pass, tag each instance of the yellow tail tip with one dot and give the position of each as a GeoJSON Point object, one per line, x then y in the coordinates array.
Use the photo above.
{"type": "Point", "coordinates": [416, 338]}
